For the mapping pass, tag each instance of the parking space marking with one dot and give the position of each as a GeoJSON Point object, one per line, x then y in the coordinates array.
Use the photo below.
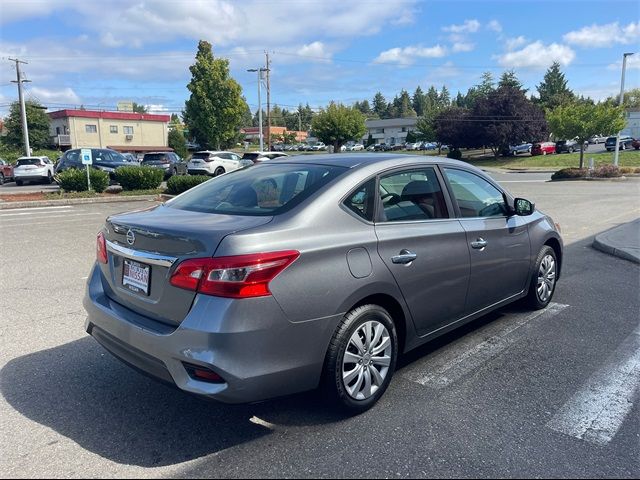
{"type": "Point", "coordinates": [34, 210]}
{"type": "Point", "coordinates": [596, 412]}
{"type": "Point", "coordinates": [524, 181]}
{"type": "Point", "coordinates": [470, 352]}
{"type": "Point", "coordinates": [27, 221]}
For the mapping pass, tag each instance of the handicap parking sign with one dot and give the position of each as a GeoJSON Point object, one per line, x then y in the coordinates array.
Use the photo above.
{"type": "Point", "coordinates": [85, 155]}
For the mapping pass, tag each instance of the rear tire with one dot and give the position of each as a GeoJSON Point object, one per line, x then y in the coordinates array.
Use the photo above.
{"type": "Point", "coordinates": [19, 183]}
{"type": "Point", "coordinates": [543, 279]}
{"type": "Point", "coordinates": [355, 386]}
{"type": "Point", "coordinates": [49, 179]}
{"type": "Point", "coordinates": [219, 171]}
{"type": "Point", "coordinates": [1, 178]}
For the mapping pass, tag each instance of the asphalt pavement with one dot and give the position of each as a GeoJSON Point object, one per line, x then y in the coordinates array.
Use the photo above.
{"type": "Point", "coordinates": [513, 394]}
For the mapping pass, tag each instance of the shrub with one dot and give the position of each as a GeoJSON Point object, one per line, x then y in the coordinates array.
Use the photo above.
{"type": "Point", "coordinates": [176, 185]}
{"type": "Point", "coordinates": [75, 180]}
{"type": "Point", "coordinates": [606, 171]}
{"type": "Point", "coordinates": [570, 173]}
{"type": "Point", "coordinates": [139, 178]}
{"type": "Point", "coordinates": [456, 154]}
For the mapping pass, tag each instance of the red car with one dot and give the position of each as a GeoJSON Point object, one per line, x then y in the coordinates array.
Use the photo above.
{"type": "Point", "coordinates": [6, 171]}
{"type": "Point", "coordinates": [543, 148]}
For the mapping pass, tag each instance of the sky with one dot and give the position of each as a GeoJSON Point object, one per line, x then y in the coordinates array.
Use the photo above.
{"type": "Point", "coordinates": [97, 53]}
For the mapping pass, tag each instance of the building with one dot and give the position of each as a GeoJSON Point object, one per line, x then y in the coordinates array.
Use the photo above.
{"type": "Point", "coordinates": [122, 131]}
{"type": "Point", "coordinates": [389, 131]}
{"type": "Point", "coordinates": [633, 123]}
{"type": "Point", "coordinates": [253, 133]}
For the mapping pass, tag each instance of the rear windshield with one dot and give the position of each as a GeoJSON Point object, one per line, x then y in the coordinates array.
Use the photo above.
{"type": "Point", "coordinates": [29, 161]}
{"type": "Point", "coordinates": [250, 156]}
{"type": "Point", "coordinates": [260, 190]}
{"type": "Point", "coordinates": [153, 157]}
{"type": "Point", "coordinates": [201, 155]}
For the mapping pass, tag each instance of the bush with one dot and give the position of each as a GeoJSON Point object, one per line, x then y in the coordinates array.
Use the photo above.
{"type": "Point", "coordinates": [75, 180]}
{"type": "Point", "coordinates": [456, 154]}
{"type": "Point", "coordinates": [606, 171]}
{"type": "Point", "coordinates": [176, 185]}
{"type": "Point", "coordinates": [139, 178]}
{"type": "Point", "coordinates": [570, 173]}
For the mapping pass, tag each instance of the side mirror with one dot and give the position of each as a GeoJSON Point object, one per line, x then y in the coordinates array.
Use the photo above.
{"type": "Point", "coordinates": [523, 207]}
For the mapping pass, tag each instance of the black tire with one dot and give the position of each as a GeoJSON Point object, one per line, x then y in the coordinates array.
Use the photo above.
{"type": "Point", "coordinates": [219, 171]}
{"type": "Point", "coordinates": [332, 382]}
{"type": "Point", "coordinates": [1, 178]}
{"type": "Point", "coordinates": [175, 171]}
{"type": "Point", "coordinates": [533, 299]}
{"type": "Point", "coordinates": [49, 179]}
{"type": "Point", "coordinates": [19, 183]}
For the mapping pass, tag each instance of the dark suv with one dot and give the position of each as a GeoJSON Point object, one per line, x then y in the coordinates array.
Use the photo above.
{"type": "Point", "coordinates": [567, 146]}
{"type": "Point", "coordinates": [104, 159]}
{"type": "Point", "coordinates": [626, 142]}
{"type": "Point", "coordinates": [169, 161]}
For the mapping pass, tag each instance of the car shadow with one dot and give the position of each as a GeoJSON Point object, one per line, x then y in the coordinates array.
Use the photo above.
{"type": "Point", "coordinates": [81, 392]}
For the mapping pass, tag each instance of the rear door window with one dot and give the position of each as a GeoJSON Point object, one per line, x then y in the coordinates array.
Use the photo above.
{"type": "Point", "coordinates": [412, 195]}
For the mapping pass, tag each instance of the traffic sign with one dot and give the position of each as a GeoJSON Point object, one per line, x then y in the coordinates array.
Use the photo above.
{"type": "Point", "coordinates": [85, 155]}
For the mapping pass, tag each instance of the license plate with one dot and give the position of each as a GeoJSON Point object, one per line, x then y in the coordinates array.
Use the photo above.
{"type": "Point", "coordinates": [135, 276]}
{"type": "Point", "coordinates": [196, 162]}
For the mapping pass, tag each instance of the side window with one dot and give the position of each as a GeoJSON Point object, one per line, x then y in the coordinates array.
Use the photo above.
{"type": "Point", "coordinates": [235, 157]}
{"type": "Point", "coordinates": [362, 201]}
{"type": "Point", "coordinates": [72, 158]}
{"type": "Point", "coordinates": [412, 195]}
{"type": "Point", "coordinates": [475, 196]}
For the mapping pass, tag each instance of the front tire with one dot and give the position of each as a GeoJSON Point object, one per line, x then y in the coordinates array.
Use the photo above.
{"type": "Point", "coordinates": [543, 279]}
{"type": "Point", "coordinates": [1, 178]}
{"type": "Point", "coordinates": [361, 358]}
{"type": "Point", "coordinates": [49, 179]}
{"type": "Point", "coordinates": [218, 171]}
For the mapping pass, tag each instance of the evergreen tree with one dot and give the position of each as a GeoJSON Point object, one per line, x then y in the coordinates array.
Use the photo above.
{"type": "Point", "coordinates": [379, 105]}
{"type": "Point", "coordinates": [553, 90]}
{"type": "Point", "coordinates": [419, 102]}
{"type": "Point", "coordinates": [444, 97]}
{"type": "Point", "coordinates": [509, 79]}
{"type": "Point", "coordinates": [402, 106]}
{"type": "Point", "coordinates": [178, 143]}
{"type": "Point", "coordinates": [138, 108]}
{"type": "Point", "coordinates": [487, 85]}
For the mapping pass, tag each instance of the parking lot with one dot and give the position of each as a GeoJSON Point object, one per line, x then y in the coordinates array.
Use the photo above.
{"type": "Point", "coordinates": [513, 394]}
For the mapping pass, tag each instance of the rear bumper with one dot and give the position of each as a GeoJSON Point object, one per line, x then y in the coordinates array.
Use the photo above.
{"type": "Point", "coordinates": [249, 343]}
{"type": "Point", "coordinates": [198, 171]}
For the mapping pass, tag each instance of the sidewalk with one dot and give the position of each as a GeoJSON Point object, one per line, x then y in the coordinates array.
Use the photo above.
{"type": "Point", "coordinates": [622, 241]}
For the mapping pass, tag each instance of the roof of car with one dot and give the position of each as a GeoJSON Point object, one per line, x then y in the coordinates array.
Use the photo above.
{"type": "Point", "coordinates": [352, 160]}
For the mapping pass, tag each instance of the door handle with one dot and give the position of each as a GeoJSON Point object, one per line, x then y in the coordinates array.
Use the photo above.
{"type": "Point", "coordinates": [479, 244]}
{"type": "Point", "coordinates": [404, 258]}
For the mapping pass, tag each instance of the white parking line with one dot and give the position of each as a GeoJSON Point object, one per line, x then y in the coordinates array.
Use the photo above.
{"type": "Point", "coordinates": [470, 352]}
{"type": "Point", "coordinates": [596, 412]}
{"type": "Point", "coordinates": [34, 210]}
{"type": "Point", "coordinates": [27, 221]}
{"type": "Point", "coordinates": [523, 181]}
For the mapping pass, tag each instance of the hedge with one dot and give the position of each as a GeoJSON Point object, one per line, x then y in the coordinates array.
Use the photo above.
{"type": "Point", "coordinates": [139, 178]}
{"type": "Point", "coordinates": [176, 185]}
{"type": "Point", "coordinates": [456, 154]}
{"type": "Point", "coordinates": [75, 180]}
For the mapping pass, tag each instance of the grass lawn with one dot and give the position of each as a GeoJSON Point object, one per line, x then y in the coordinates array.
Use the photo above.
{"type": "Point", "coordinates": [557, 161]}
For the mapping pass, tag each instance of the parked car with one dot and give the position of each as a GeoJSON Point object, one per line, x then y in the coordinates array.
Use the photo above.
{"type": "Point", "coordinates": [357, 147]}
{"type": "Point", "coordinates": [6, 171]}
{"type": "Point", "coordinates": [380, 147]}
{"type": "Point", "coordinates": [33, 169]}
{"type": "Point", "coordinates": [170, 162]}
{"type": "Point", "coordinates": [598, 139]}
{"type": "Point", "coordinates": [228, 291]}
{"type": "Point", "coordinates": [256, 157]}
{"type": "Point", "coordinates": [636, 144]}
{"type": "Point", "coordinates": [372, 147]}
{"type": "Point", "coordinates": [543, 148]}
{"type": "Point", "coordinates": [567, 146]}
{"type": "Point", "coordinates": [522, 148]}
{"type": "Point", "coordinates": [626, 142]}
{"type": "Point", "coordinates": [214, 163]}
{"type": "Point", "coordinates": [103, 159]}
{"type": "Point", "coordinates": [320, 146]}
{"type": "Point", "coordinates": [130, 157]}
{"type": "Point", "coordinates": [428, 146]}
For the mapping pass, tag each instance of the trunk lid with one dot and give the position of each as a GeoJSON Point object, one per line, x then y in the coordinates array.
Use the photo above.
{"type": "Point", "coordinates": [147, 245]}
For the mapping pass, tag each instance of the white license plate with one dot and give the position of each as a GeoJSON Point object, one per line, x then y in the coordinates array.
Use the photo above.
{"type": "Point", "coordinates": [135, 276]}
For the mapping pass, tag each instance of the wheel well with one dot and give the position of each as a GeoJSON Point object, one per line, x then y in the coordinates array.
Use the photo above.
{"type": "Point", "coordinates": [392, 306]}
{"type": "Point", "coordinates": [555, 244]}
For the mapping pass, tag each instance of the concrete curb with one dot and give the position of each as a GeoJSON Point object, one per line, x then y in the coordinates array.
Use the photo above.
{"type": "Point", "coordinates": [74, 201]}
{"type": "Point", "coordinates": [591, 179]}
{"type": "Point", "coordinates": [622, 241]}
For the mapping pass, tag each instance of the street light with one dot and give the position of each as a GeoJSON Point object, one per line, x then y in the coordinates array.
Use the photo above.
{"type": "Point", "coordinates": [259, 70]}
{"type": "Point", "coordinates": [624, 66]}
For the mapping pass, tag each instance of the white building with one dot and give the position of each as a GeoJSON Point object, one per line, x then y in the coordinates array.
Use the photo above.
{"type": "Point", "coordinates": [389, 131]}
{"type": "Point", "coordinates": [633, 123]}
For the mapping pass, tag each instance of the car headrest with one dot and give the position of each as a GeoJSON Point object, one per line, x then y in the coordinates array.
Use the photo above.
{"type": "Point", "coordinates": [418, 188]}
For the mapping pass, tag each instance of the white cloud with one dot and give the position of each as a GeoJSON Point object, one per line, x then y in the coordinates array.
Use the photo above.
{"type": "Point", "coordinates": [494, 26]}
{"type": "Point", "coordinates": [463, 47]}
{"type": "Point", "coordinates": [513, 43]}
{"type": "Point", "coordinates": [315, 50]}
{"type": "Point", "coordinates": [156, 108]}
{"type": "Point", "coordinates": [65, 95]}
{"type": "Point", "coordinates": [633, 63]}
{"type": "Point", "coordinates": [537, 55]}
{"type": "Point", "coordinates": [19, 10]}
{"type": "Point", "coordinates": [469, 26]}
{"type": "Point", "coordinates": [108, 40]}
{"type": "Point", "coordinates": [408, 55]}
{"type": "Point", "coordinates": [604, 35]}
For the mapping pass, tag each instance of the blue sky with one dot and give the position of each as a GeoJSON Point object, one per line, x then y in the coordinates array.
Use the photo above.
{"type": "Point", "coordinates": [98, 53]}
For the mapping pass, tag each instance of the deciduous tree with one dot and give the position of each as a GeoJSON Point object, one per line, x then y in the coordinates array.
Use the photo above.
{"type": "Point", "coordinates": [338, 124]}
{"type": "Point", "coordinates": [37, 121]}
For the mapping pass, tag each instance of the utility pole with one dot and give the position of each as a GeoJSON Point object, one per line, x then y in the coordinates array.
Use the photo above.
{"type": "Point", "coordinates": [23, 110]}
{"type": "Point", "coordinates": [268, 104]}
{"type": "Point", "coordinates": [260, 71]}
{"type": "Point", "coordinates": [624, 66]}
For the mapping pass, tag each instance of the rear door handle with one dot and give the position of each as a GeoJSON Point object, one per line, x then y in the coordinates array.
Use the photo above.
{"type": "Point", "coordinates": [479, 244]}
{"type": "Point", "coordinates": [404, 258]}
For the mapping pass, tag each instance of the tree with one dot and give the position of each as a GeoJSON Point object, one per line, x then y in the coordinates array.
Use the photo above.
{"type": "Point", "coordinates": [338, 124]}
{"type": "Point", "coordinates": [425, 129]}
{"type": "Point", "coordinates": [509, 79]}
{"type": "Point", "coordinates": [581, 120]}
{"type": "Point", "coordinates": [37, 121]}
{"type": "Point", "coordinates": [177, 141]}
{"type": "Point", "coordinates": [553, 90]}
{"type": "Point", "coordinates": [138, 108]}
{"type": "Point", "coordinates": [419, 102]}
{"type": "Point", "coordinates": [631, 99]}
{"type": "Point", "coordinates": [380, 105]}
{"type": "Point", "coordinates": [215, 109]}
{"type": "Point", "coordinates": [402, 106]}
{"type": "Point", "coordinates": [487, 85]}
{"type": "Point", "coordinates": [451, 127]}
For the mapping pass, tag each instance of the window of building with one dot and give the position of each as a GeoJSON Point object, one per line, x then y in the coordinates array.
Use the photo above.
{"type": "Point", "coordinates": [113, 129]}
{"type": "Point", "coordinates": [404, 129]}
{"type": "Point", "coordinates": [128, 130]}
{"type": "Point", "coordinates": [91, 128]}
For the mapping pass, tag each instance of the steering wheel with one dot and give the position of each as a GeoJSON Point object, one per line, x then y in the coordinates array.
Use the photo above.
{"type": "Point", "coordinates": [393, 198]}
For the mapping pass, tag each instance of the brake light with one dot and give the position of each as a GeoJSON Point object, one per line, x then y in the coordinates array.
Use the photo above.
{"type": "Point", "coordinates": [101, 248]}
{"type": "Point", "coordinates": [240, 276]}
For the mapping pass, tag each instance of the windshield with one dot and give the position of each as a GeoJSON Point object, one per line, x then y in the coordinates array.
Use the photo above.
{"type": "Point", "coordinates": [263, 189]}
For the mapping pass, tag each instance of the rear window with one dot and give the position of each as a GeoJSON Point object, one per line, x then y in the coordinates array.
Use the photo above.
{"type": "Point", "coordinates": [29, 161]}
{"type": "Point", "coordinates": [263, 189]}
{"type": "Point", "coordinates": [200, 155]}
{"type": "Point", "coordinates": [153, 157]}
{"type": "Point", "coordinates": [250, 156]}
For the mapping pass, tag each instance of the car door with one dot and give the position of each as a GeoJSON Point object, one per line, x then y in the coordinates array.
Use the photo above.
{"type": "Point", "coordinates": [425, 250]}
{"type": "Point", "coordinates": [498, 243]}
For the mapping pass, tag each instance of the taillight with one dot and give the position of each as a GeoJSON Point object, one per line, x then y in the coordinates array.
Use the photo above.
{"type": "Point", "coordinates": [101, 248]}
{"type": "Point", "coordinates": [241, 276]}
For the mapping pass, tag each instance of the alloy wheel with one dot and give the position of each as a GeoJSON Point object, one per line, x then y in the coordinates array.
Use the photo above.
{"type": "Point", "coordinates": [546, 278]}
{"type": "Point", "coordinates": [366, 360]}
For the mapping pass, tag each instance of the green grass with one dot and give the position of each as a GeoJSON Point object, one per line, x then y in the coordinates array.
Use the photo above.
{"type": "Point", "coordinates": [564, 160]}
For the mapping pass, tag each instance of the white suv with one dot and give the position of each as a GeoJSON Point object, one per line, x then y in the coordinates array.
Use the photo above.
{"type": "Point", "coordinates": [213, 163]}
{"type": "Point", "coordinates": [38, 169]}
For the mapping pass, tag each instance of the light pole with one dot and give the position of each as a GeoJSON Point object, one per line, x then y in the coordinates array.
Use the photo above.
{"type": "Point", "coordinates": [259, 70]}
{"type": "Point", "coordinates": [624, 66]}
